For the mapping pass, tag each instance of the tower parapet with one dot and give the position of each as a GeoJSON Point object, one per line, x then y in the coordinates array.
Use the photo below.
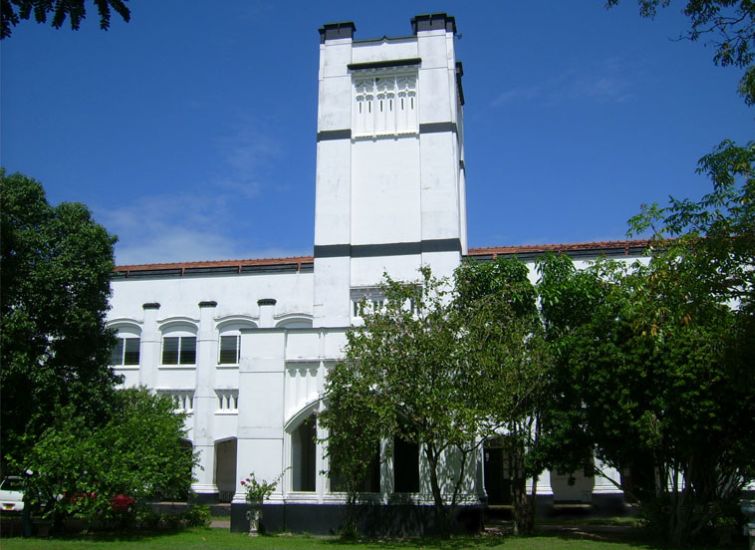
{"type": "Point", "coordinates": [390, 161]}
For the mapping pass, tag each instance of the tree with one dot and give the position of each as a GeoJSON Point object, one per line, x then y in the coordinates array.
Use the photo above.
{"type": "Point", "coordinates": [659, 383]}
{"type": "Point", "coordinates": [705, 279]}
{"type": "Point", "coordinates": [12, 12]}
{"type": "Point", "coordinates": [504, 341]}
{"type": "Point", "coordinates": [354, 434]}
{"type": "Point", "coordinates": [139, 453]}
{"type": "Point", "coordinates": [730, 23]}
{"type": "Point", "coordinates": [54, 346]}
{"type": "Point", "coordinates": [446, 370]}
{"type": "Point", "coordinates": [715, 236]}
{"type": "Point", "coordinates": [403, 376]}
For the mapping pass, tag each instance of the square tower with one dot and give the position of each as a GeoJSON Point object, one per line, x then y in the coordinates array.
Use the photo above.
{"type": "Point", "coordinates": [390, 162]}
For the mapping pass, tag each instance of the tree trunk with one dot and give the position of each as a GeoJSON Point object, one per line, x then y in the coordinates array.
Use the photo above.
{"type": "Point", "coordinates": [350, 528]}
{"type": "Point", "coordinates": [522, 509]}
{"type": "Point", "coordinates": [441, 513]}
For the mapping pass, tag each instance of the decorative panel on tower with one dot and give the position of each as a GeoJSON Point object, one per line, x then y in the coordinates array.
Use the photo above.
{"type": "Point", "coordinates": [385, 103]}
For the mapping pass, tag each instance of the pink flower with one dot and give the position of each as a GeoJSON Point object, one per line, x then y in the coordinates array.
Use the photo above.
{"type": "Point", "coordinates": [243, 482]}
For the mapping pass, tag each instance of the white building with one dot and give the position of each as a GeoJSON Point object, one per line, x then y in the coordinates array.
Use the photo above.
{"type": "Point", "coordinates": [244, 346]}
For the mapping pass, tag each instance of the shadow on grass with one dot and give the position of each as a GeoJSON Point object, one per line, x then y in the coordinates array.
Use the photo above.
{"type": "Point", "coordinates": [624, 535]}
{"type": "Point", "coordinates": [453, 543]}
{"type": "Point", "coordinates": [620, 535]}
{"type": "Point", "coordinates": [108, 536]}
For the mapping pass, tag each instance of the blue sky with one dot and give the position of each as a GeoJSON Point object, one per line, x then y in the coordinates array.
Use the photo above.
{"type": "Point", "coordinates": [190, 131]}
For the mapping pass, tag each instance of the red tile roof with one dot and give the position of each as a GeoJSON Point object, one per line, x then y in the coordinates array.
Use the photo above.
{"type": "Point", "coordinates": [597, 247]}
{"type": "Point", "coordinates": [217, 263]}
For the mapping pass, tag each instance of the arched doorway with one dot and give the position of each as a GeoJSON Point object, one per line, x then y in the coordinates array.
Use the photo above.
{"type": "Point", "coordinates": [225, 468]}
{"type": "Point", "coordinates": [304, 455]}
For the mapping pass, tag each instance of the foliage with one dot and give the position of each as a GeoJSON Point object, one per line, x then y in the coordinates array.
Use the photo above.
{"type": "Point", "coordinates": [682, 328]}
{"type": "Point", "coordinates": [56, 266]}
{"type": "Point", "coordinates": [568, 299]}
{"type": "Point", "coordinates": [655, 359]}
{"type": "Point", "coordinates": [197, 515]}
{"type": "Point", "coordinates": [354, 434]}
{"type": "Point", "coordinates": [705, 281]}
{"type": "Point", "coordinates": [656, 377]}
{"type": "Point", "coordinates": [504, 341]}
{"type": "Point", "coordinates": [731, 26]}
{"type": "Point", "coordinates": [715, 236]}
{"type": "Point", "coordinates": [139, 452]}
{"type": "Point", "coordinates": [445, 370]}
{"type": "Point", "coordinates": [258, 491]}
{"type": "Point", "coordinates": [153, 519]}
{"type": "Point", "coordinates": [403, 375]}
{"type": "Point", "coordinates": [13, 12]}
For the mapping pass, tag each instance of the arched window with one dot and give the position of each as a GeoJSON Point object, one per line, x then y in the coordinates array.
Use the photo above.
{"type": "Point", "coordinates": [304, 455]}
{"type": "Point", "coordinates": [179, 345]}
{"type": "Point", "coordinates": [229, 341]}
{"type": "Point", "coordinates": [125, 351]}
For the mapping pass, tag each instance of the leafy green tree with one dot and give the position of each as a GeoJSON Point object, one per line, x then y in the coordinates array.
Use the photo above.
{"type": "Point", "coordinates": [354, 435]}
{"type": "Point", "coordinates": [139, 452]}
{"type": "Point", "coordinates": [12, 12]}
{"type": "Point", "coordinates": [713, 244]}
{"type": "Point", "coordinates": [568, 298]}
{"type": "Point", "coordinates": [705, 282]}
{"type": "Point", "coordinates": [404, 376]}
{"type": "Point", "coordinates": [446, 370]}
{"type": "Point", "coordinates": [656, 377]}
{"type": "Point", "coordinates": [54, 346]}
{"type": "Point", "coordinates": [503, 343]}
{"type": "Point", "coordinates": [730, 26]}
{"type": "Point", "coordinates": [688, 317]}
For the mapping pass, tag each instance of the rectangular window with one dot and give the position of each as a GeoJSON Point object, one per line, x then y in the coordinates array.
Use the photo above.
{"type": "Point", "coordinates": [405, 466]}
{"type": "Point", "coordinates": [230, 350]}
{"type": "Point", "coordinates": [369, 484]}
{"type": "Point", "coordinates": [188, 351]}
{"type": "Point", "coordinates": [131, 351]}
{"type": "Point", "coordinates": [125, 352]}
{"type": "Point", "coordinates": [179, 350]}
{"type": "Point", "coordinates": [170, 350]}
{"type": "Point", "coordinates": [116, 354]}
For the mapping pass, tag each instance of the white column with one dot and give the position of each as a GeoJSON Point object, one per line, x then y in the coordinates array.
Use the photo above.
{"type": "Point", "coordinates": [149, 346]}
{"type": "Point", "coordinates": [321, 465]}
{"type": "Point", "coordinates": [544, 486]}
{"type": "Point", "coordinates": [205, 402]}
{"type": "Point", "coordinates": [386, 469]}
{"type": "Point", "coordinates": [261, 397]}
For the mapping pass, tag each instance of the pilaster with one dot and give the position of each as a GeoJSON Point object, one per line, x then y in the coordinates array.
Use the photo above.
{"type": "Point", "coordinates": [149, 346]}
{"type": "Point", "coordinates": [261, 402]}
{"type": "Point", "coordinates": [205, 403]}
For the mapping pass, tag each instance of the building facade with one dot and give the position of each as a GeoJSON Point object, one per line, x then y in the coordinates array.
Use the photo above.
{"type": "Point", "coordinates": [244, 346]}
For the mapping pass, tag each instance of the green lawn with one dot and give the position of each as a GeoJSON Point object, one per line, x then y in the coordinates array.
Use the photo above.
{"type": "Point", "coordinates": [213, 539]}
